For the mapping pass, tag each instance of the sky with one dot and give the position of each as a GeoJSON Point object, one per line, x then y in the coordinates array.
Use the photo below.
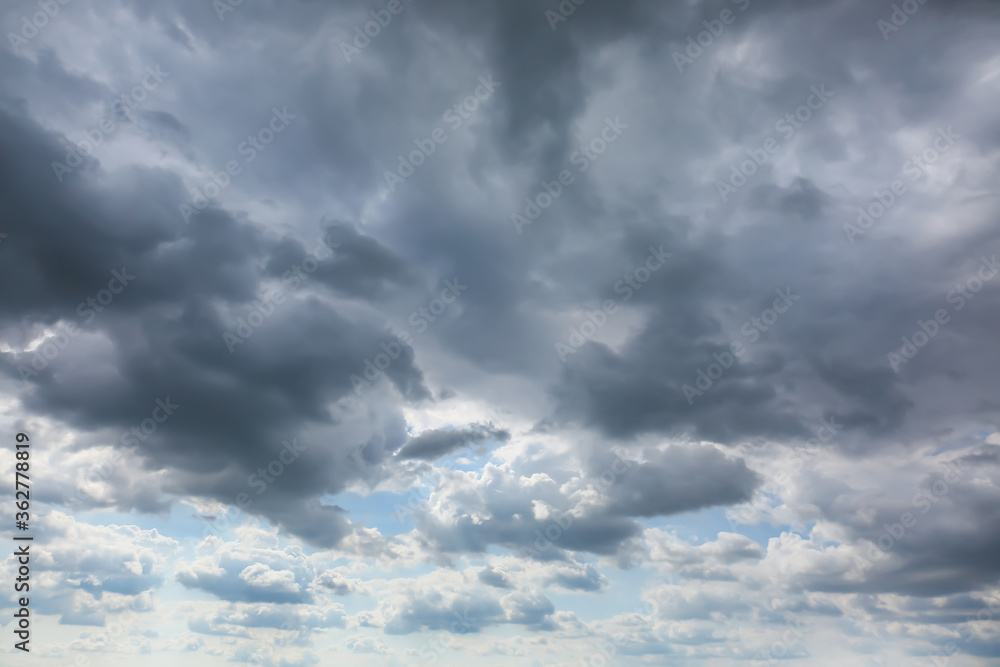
{"type": "Point", "coordinates": [515, 332]}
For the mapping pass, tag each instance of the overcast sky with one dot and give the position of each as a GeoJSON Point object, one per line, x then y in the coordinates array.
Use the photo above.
{"type": "Point", "coordinates": [508, 332]}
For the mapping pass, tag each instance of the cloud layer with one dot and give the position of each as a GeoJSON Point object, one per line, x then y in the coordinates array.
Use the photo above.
{"type": "Point", "coordinates": [517, 333]}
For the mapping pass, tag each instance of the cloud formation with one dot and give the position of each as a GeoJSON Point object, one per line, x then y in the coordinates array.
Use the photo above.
{"type": "Point", "coordinates": [661, 306]}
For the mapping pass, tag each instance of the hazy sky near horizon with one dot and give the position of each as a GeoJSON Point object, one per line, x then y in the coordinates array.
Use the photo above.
{"type": "Point", "coordinates": [503, 333]}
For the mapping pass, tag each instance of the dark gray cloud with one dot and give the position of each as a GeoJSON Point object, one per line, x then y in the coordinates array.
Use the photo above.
{"type": "Point", "coordinates": [431, 445]}
{"type": "Point", "coordinates": [191, 283]}
{"type": "Point", "coordinates": [361, 267]}
{"type": "Point", "coordinates": [682, 479]}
